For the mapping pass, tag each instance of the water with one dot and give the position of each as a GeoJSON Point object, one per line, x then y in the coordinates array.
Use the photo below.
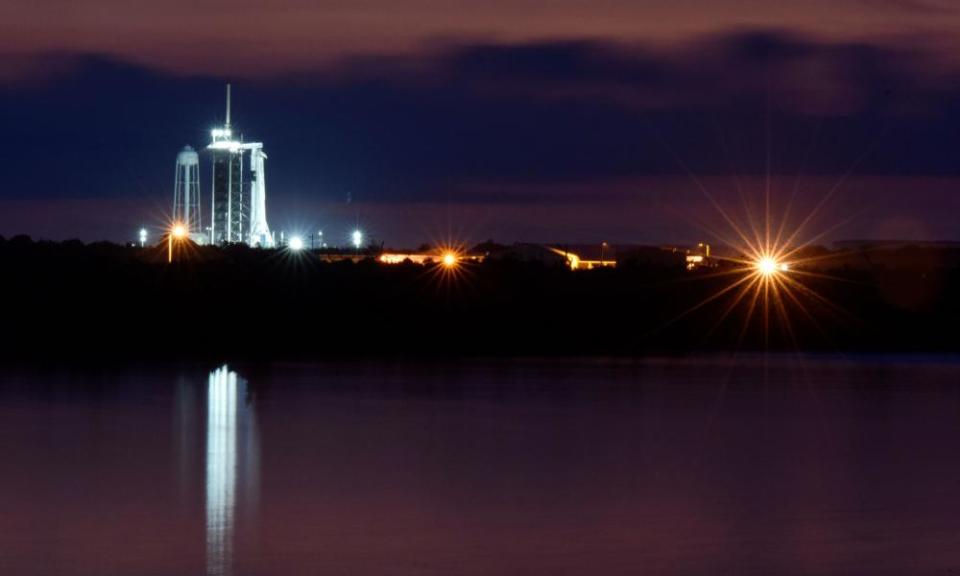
{"type": "Point", "coordinates": [785, 466]}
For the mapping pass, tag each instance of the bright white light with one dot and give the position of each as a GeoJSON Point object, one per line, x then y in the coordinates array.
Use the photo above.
{"type": "Point", "coordinates": [179, 231]}
{"type": "Point", "coordinates": [143, 236]}
{"type": "Point", "coordinates": [769, 266]}
{"type": "Point", "coordinates": [296, 243]}
{"type": "Point", "coordinates": [357, 238]}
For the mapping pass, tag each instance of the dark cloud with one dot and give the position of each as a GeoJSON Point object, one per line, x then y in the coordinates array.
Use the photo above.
{"type": "Point", "coordinates": [497, 123]}
{"type": "Point", "coordinates": [249, 38]}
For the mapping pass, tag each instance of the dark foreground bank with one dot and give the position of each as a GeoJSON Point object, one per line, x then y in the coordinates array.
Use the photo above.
{"type": "Point", "coordinates": [101, 301]}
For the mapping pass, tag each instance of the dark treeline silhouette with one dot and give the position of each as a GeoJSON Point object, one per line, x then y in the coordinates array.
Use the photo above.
{"type": "Point", "coordinates": [100, 302]}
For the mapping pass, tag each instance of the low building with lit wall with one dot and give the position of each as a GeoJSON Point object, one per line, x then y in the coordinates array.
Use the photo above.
{"type": "Point", "coordinates": [587, 257]}
{"type": "Point", "coordinates": [572, 256]}
{"type": "Point", "coordinates": [421, 258]}
{"type": "Point", "coordinates": [575, 257]}
{"type": "Point", "coordinates": [696, 257]}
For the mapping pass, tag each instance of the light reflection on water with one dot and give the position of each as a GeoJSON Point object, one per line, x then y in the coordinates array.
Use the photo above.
{"type": "Point", "coordinates": [660, 468]}
{"type": "Point", "coordinates": [226, 419]}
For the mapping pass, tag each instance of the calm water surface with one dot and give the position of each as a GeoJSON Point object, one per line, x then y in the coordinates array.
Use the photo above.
{"type": "Point", "coordinates": [777, 466]}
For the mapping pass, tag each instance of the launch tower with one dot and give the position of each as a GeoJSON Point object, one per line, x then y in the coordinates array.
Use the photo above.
{"type": "Point", "coordinates": [239, 189]}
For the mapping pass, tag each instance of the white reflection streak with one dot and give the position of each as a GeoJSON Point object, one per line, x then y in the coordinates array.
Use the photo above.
{"type": "Point", "coordinates": [221, 468]}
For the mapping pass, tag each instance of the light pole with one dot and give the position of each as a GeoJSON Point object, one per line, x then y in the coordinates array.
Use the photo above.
{"type": "Point", "coordinates": [178, 232]}
{"type": "Point", "coordinates": [357, 240]}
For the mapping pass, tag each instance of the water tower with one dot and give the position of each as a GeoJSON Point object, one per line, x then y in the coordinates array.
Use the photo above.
{"type": "Point", "coordinates": [186, 191]}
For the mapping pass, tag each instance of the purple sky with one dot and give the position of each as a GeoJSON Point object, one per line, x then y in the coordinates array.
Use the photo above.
{"type": "Point", "coordinates": [563, 121]}
{"type": "Point", "coordinates": [281, 35]}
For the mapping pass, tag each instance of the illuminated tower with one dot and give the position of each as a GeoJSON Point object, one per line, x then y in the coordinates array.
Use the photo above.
{"type": "Point", "coordinates": [238, 192]}
{"type": "Point", "coordinates": [227, 198]}
{"type": "Point", "coordinates": [186, 191]}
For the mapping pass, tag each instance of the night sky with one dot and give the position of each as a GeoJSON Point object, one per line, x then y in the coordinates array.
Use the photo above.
{"type": "Point", "coordinates": [571, 120]}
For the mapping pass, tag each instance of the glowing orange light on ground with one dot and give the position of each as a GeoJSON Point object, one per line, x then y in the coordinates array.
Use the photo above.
{"type": "Point", "coordinates": [178, 231]}
{"type": "Point", "coordinates": [767, 266]}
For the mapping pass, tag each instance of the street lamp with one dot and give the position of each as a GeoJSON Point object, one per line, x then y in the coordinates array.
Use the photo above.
{"type": "Point", "coordinates": [357, 239]}
{"type": "Point", "coordinates": [179, 232]}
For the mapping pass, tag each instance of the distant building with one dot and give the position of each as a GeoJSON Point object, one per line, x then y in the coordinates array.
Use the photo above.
{"type": "Point", "coordinates": [573, 256]}
{"type": "Point", "coordinates": [390, 257]}
{"type": "Point", "coordinates": [529, 252]}
{"type": "Point", "coordinates": [587, 256]}
{"type": "Point", "coordinates": [401, 257]}
{"type": "Point", "coordinates": [698, 257]}
{"type": "Point", "coordinates": [591, 256]}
